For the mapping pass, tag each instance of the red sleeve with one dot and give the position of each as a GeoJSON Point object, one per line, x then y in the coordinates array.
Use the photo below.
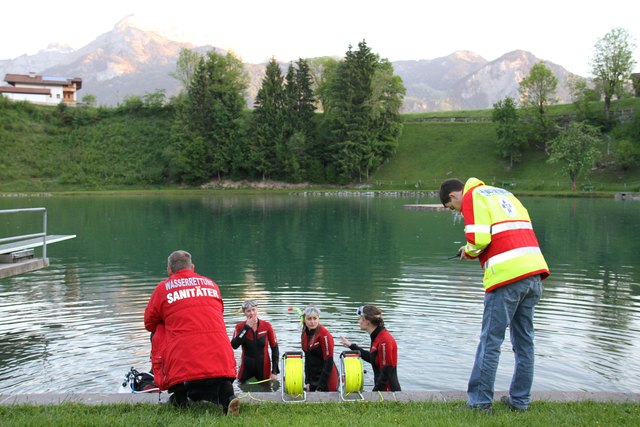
{"type": "Point", "coordinates": [152, 315]}
{"type": "Point", "coordinates": [271, 335]}
{"type": "Point", "coordinates": [468, 215]}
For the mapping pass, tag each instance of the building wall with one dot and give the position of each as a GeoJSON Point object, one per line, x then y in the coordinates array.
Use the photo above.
{"type": "Point", "coordinates": [55, 98]}
{"type": "Point", "coordinates": [39, 99]}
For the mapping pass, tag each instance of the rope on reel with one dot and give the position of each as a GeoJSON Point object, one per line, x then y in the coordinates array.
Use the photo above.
{"type": "Point", "coordinates": [293, 377]}
{"type": "Point", "coordinates": [351, 375]}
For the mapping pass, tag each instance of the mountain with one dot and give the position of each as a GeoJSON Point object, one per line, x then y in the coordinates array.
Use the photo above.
{"type": "Point", "coordinates": [45, 58]}
{"type": "Point", "coordinates": [501, 78]}
{"type": "Point", "coordinates": [428, 82]}
{"type": "Point", "coordinates": [129, 61]}
{"type": "Point", "coordinates": [125, 61]}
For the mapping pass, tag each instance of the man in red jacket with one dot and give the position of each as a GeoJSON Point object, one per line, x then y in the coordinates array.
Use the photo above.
{"type": "Point", "coordinates": [191, 353]}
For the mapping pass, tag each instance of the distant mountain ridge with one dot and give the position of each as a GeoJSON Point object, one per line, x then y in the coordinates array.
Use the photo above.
{"type": "Point", "coordinates": [129, 61]}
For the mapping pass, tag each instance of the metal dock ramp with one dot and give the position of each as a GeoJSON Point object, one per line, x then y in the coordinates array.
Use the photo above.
{"type": "Point", "coordinates": [17, 257]}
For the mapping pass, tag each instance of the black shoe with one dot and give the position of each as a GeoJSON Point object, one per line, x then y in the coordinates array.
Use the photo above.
{"type": "Point", "coordinates": [179, 400]}
{"type": "Point", "coordinates": [483, 409]}
{"type": "Point", "coordinates": [507, 401]}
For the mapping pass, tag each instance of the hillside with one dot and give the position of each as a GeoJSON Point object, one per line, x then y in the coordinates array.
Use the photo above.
{"type": "Point", "coordinates": [53, 149]}
{"type": "Point", "coordinates": [431, 152]}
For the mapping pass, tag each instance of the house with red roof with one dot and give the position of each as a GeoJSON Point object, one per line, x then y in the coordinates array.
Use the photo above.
{"type": "Point", "coordinates": [41, 89]}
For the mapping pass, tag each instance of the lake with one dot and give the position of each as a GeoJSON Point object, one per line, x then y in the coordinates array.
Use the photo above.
{"type": "Point", "coordinates": [77, 326]}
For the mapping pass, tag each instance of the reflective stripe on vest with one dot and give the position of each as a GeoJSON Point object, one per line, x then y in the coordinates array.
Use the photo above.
{"type": "Point", "coordinates": [508, 226]}
{"type": "Point", "coordinates": [498, 228]}
{"type": "Point", "coordinates": [509, 255]}
{"type": "Point", "coordinates": [477, 228]}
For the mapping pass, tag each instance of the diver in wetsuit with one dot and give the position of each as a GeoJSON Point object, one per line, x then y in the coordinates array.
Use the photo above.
{"type": "Point", "coordinates": [255, 336]}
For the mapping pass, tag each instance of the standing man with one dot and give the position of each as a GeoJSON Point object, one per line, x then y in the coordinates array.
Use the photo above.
{"type": "Point", "coordinates": [191, 353]}
{"type": "Point", "coordinates": [499, 234]}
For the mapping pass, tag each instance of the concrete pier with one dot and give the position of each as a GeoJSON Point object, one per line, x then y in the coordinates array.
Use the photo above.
{"type": "Point", "coordinates": [8, 270]}
{"type": "Point", "coordinates": [260, 397]}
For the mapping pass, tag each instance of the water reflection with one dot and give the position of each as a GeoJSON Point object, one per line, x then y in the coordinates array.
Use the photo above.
{"type": "Point", "coordinates": [77, 326]}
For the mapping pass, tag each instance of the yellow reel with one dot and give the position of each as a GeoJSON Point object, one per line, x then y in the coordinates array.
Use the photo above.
{"type": "Point", "coordinates": [351, 375]}
{"type": "Point", "coordinates": [293, 377]}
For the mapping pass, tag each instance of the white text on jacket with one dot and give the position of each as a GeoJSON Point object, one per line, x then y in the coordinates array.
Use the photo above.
{"type": "Point", "coordinates": [192, 293]}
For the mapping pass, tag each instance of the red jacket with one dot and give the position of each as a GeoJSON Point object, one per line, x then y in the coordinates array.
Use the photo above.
{"type": "Point", "coordinates": [192, 343]}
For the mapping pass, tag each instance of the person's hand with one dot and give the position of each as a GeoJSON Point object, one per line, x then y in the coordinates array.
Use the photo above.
{"type": "Point", "coordinates": [462, 254]}
{"type": "Point", "coordinates": [345, 342]}
{"type": "Point", "coordinates": [274, 377]}
{"type": "Point", "coordinates": [252, 321]}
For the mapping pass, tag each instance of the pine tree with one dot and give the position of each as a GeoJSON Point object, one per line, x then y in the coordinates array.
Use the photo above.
{"type": "Point", "coordinates": [269, 124]}
{"type": "Point", "coordinates": [208, 120]}
{"type": "Point", "coordinates": [362, 103]}
{"type": "Point", "coordinates": [306, 105]}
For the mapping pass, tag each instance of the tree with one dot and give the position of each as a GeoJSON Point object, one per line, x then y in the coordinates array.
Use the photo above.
{"type": "Point", "coordinates": [322, 71]}
{"type": "Point", "coordinates": [89, 100]}
{"type": "Point", "coordinates": [635, 83]}
{"type": "Point", "coordinates": [612, 64]}
{"type": "Point", "coordinates": [537, 92]}
{"type": "Point", "coordinates": [584, 97]}
{"type": "Point", "coordinates": [627, 137]}
{"type": "Point", "coordinates": [268, 122]}
{"type": "Point", "coordinates": [154, 100]}
{"type": "Point", "coordinates": [511, 141]}
{"type": "Point", "coordinates": [301, 102]}
{"type": "Point", "coordinates": [301, 133]}
{"type": "Point", "coordinates": [209, 117]}
{"type": "Point", "coordinates": [132, 104]}
{"type": "Point", "coordinates": [186, 67]}
{"type": "Point", "coordinates": [362, 103]}
{"type": "Point", "coordinates": [575, 149]}
{"type": "Point", "coordinates": [538, 89]}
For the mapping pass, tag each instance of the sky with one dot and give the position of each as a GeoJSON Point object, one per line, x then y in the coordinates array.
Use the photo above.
{"type": "Point", "coordinates": [560, 31]}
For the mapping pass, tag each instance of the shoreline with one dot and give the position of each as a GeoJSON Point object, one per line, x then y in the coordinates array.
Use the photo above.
{"type": "Point", "coordinates": [276, 396]}
{"type": "Point", "coordinates": [307, 192]}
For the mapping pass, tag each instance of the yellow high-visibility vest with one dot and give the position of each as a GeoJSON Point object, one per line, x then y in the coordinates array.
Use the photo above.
{"type": "Point", "coordinates": [499, 233]}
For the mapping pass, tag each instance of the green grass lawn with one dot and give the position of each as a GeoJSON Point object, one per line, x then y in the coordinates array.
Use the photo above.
{"type": "Point", "coordinates": [351, 414]}
{"type": "Point", "coordinates": [430, 152]}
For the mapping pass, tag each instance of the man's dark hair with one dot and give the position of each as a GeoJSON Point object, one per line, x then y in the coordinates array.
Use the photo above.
{"type": "Point", "coordinates": [449, 186]}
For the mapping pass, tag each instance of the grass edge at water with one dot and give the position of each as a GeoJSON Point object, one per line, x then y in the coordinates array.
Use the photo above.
{"type": "Point", "coordinates": [541, 413]}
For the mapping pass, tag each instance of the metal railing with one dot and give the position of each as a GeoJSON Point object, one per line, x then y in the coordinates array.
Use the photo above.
{"type": "Point", "coordinates": [28, 236]}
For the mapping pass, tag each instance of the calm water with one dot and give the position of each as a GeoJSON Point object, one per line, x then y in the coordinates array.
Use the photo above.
{"type": "Point", "coordinates": [77, 325]}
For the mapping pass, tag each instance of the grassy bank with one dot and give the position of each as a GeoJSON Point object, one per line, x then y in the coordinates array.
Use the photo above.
{"type": "Point", "coordinates": [86, 149]}
{"type": "Point", "coordinates": [431, 152]}
{"type": "Point", "coordinates": [335, 414]}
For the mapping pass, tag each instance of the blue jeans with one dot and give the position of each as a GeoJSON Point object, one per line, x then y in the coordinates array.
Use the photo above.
{"type": "Point", "coordinates": [513, 306]}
